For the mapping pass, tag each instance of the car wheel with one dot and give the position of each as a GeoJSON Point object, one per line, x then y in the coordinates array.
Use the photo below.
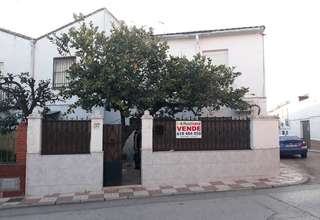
{"type": "Point", "coordinates": [304, 155]}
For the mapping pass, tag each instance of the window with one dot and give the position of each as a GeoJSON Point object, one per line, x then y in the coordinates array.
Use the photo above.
{"type": "Point", "coordinates": [287, 122]}
{"type": "Point", "coordinates": [60, 68]}
{"type": "Point", "coordinates": [219, 57]}
{"type": "Point", "coordinates": [2, 67]}
{"type": "Point", "coordinates": [2, 95]}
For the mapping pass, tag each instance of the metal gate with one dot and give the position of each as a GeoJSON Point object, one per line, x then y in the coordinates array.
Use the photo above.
{"type": "Point", "coordinates": [305, 125]}
{"type": "Point", "coordinates": [112, 148]}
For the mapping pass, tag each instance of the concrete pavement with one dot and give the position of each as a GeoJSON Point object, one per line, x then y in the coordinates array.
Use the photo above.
{"type": "Point", "coordinates": [287, 176]}
{"type": "Point", "coordinates": [295, 202]}
{"type": "Point", "coordinates": [309, 166]}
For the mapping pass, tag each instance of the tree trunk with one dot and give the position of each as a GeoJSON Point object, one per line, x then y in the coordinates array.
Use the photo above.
{"type": "Point", "coordinates": [123, 127]}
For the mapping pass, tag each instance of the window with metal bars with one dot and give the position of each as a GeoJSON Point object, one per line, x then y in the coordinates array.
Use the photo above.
{"type": "Point", "coordinates": [2, 96]}
{"type": "Point", "coordinates": [60, 67]}
{"type": "Point", "coordinates": [2, 67]}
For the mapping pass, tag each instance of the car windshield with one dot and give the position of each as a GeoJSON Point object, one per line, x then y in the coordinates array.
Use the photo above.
{"type": "Point", "coordinates": [287, 138]}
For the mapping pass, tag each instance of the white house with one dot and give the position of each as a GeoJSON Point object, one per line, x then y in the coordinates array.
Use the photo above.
{"type": "Point", "coordinates": [282, 112]}
{"type": "Point", "coordinates": [39, 57]}
{"type": "Point", "coordinates": [302, 118]}
{"type": "Point", "coordinates": [242, 48]}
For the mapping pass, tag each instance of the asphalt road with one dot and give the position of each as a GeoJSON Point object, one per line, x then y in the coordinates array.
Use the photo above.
{"type": "Point", "coordinates": [310, 166]}
{"type": "Point", "coordinates": [296, 202]}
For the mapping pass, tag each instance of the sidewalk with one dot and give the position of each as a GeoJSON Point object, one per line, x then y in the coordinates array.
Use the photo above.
{"type": "Point", "coordinates": [288, 176]}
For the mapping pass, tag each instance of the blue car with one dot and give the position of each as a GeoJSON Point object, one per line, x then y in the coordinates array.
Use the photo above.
{"type": "Point", "coordinates": [292, 145]}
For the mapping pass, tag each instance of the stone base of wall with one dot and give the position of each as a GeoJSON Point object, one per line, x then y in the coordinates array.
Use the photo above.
{"type": "Point", "coordinates": [49, 174]}
{"type": "Point", "coordinates": [183, 167]}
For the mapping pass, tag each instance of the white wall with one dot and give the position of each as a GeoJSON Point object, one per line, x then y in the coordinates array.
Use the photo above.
{"type": "Point", "coordinates": [48, 174]}
{"type": "Point", "coordinates": [45, 51]}
{"type": "Point", "coordinates": [187, 167]}
{"type": "Point", "coordinates": [183, 167]}
{"type": "Point", "coordinates": [245, 52]}
{"type": "Point", "coordinates": [15, 52]}
{"type": "Point", "coordinates": [308, 109]}
{"type": "Point", "coordinates": [315, 128]}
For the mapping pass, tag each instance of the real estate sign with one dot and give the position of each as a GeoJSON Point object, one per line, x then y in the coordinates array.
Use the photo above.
{"type": "Point", "coordinates": [188, 129]}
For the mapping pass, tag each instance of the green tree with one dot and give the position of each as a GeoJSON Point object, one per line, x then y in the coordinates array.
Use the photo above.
{"type": "Point", "coordinates": [192, 85]}
{"type": "Point", "coordinates": [130, 71]}
{"type": "Point", "coordinates": [20, 94]}
{"type": "Point", "coordinates": [121, 71]}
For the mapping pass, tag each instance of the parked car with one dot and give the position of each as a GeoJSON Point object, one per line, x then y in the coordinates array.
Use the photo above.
{"type": "Point", "coordinates": [292, 145]}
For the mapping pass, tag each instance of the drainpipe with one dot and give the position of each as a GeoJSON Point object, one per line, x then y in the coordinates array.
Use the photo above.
{"type": "Point", "coordinates": [32, 61]}
{"type": "Point", "coordinates": [198, 44]}
{"type": "Point", "coordinates": [264, 71]}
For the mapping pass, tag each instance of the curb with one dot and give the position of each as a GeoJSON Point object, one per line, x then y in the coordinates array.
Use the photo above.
{"type": "Point", "coordinates": [304, 179]}
{"type": "Point", "coordinates": [314, 151]}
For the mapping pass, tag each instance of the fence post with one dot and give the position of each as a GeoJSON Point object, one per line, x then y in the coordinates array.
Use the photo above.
{"type": "Point", "coordinates": [96, 140]}
{"type": "Point", "coordinates": [146, 145]}
{"type": "Point", "coordinates": [146, 131]}
{"type": "Point", "coordinates": [260, 139]}
{"type": "Point", "coordinates": [34, 133]}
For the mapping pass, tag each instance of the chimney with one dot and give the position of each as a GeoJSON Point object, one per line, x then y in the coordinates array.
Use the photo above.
{"type": "Point", "coordinates": [303, 97]}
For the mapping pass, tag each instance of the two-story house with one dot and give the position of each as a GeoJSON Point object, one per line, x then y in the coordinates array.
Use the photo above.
{"type": "Point", "coordinates": [242, 48]}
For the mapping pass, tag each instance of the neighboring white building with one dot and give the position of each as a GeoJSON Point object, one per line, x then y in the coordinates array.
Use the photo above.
{"type": "Point", "coordinates": [303, 118]}
{"type": "Point", "coordinates": [282, 112]}
{"type": "Point", "coordinates": [15, 52]}
{"type": "Point", "coordinates": [242, 48]}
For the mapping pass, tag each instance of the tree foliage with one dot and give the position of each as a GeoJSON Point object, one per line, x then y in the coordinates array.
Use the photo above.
{"type": "Point", "coordinates": [130, 71]}
{"type": "Point", "coordinates": [20, 95]}
{"type": "Point", "coordinates": [120, 72]}
{"type": "Point", "coordinates": [196, 84]}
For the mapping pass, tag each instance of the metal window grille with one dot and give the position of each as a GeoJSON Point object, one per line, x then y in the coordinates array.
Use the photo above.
{"type": "Point", "coordinates": [60, 67]}
{"type": "Point", "coordinates": [217, 134]}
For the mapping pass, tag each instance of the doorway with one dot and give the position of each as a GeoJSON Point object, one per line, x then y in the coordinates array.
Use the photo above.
{"type": "Point", "coordinates": [121, 165]}
{"type": "Point", "coordinates": [305, 126]}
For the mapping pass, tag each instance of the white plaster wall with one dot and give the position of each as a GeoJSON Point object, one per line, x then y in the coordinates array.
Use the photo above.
{"type": "Point", "coordinates": [183, 167]}
{"type": "Point", "coordinates": [15, 52]}
{"type": "Point", "coordinates": [264, 132]}
{"type": "Point", "coordinates": [48, 174]}
{"type": "Point", "coordinates": [315, 128]}
{"type": "Point", "coordinates": [308, 109]}
{"type": "Point", "coordinates": [295, 128]}
{"type": "Point", "coordinates": [45, 51]}
{"type": "Point", "coordinates": [245, 52]}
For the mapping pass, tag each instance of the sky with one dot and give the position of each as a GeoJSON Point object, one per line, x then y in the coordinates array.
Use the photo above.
{"type": "Point", "coordinates": [292, 29]}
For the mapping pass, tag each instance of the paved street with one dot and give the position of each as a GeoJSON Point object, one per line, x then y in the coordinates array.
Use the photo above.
{"type": "Point", "coordinates": [295, 202]}
{"type": "Point", "coordinates": [311, 166]}
{"type": "Point", "coordinates": [299, 202]}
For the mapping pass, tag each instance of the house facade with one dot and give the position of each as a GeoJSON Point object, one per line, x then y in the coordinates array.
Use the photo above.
{"type": "Point", "coordinates": [301, 118]}
{"type": "Point", "coordinates": [242, 48]}
{"type": "Point", "coordinates": [282, 112]}
{"type": "Point", "coordinates": [67, 172]}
